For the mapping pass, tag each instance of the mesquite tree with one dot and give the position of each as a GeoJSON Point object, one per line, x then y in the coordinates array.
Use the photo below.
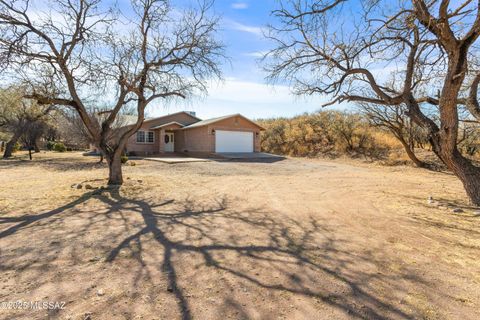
{"type": "Point", "coordinates": [393, 119]}
{"type": "Point", "coordinates": [86, 53]}
{"type": "Point", "coordinates": [392, 53]}
{"type": "Point", "coordinates": [20, 117]}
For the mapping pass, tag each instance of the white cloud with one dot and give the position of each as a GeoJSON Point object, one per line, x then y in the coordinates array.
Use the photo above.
{"type": "Point", "coordinates": [234, 25]}
{"type": "Point", "coordinates": [252, 99]}
{"type": "Point", "coordinates": [239, 5]}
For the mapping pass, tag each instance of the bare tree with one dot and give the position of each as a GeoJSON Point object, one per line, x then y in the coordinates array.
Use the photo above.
{"type": "Point", "coordinates": [83, 52]}
{"type": "Point", "coordinates": [429, 47]}
{"type": "Point", "coordinates": [393, 118]}
{"type": "Point", "coordinates": [19, 116]}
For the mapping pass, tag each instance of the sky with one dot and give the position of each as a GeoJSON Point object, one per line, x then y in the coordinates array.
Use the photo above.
{"type": "Point", "coordinates": [243, 88]}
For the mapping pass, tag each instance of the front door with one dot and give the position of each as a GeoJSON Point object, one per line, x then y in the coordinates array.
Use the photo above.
{"type": "Point", "coordinates": [169, 142]}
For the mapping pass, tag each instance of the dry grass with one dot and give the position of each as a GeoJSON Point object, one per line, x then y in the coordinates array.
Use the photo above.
{"type": "Point", "coordinates": [294, 239]}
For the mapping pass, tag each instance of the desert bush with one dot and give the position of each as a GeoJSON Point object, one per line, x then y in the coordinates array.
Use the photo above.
{"type": "Point", "coordinates": [330, 133]}
{"type": "Point", "coordinates": [59, 147]}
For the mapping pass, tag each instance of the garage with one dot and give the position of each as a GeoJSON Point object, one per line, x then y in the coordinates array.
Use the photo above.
{"type": "Point", "coordinates": [233, 141]}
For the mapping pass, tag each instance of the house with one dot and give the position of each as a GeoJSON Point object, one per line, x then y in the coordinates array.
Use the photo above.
{"type": "Point", "coordinates": [183, 132]}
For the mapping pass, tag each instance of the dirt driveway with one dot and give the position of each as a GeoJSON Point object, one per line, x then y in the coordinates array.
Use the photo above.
{"type": "Point", "coordinates": [295, 239]}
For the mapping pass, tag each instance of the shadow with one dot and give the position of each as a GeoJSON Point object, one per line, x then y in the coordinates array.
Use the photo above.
{"type": "Point", "coordinates": [255, 157]}
{"type": "Point", "coordinates": [64, 163]}
{"type": "Point", "coordinates": [251, 247]}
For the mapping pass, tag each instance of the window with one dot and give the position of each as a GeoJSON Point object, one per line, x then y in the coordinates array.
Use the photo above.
{"type": "Point", "coordinates": [145, 137]}
{"type": "Point", "coordinates": [141, 136]}
{"type": "Point", "coordinates": [150, 137]}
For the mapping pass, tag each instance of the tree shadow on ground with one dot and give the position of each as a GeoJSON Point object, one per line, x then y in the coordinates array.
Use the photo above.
{"type": "Point", "coordinates": [65, 163]}
{"type": "Point", "coordinates": [305, 257]}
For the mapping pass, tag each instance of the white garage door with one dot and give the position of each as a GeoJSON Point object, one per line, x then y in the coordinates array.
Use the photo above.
{"type": "Point", "coordinates": [233, 141]}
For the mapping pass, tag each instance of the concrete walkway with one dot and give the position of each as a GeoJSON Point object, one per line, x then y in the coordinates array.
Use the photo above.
{"type": "Point", "coordinates": [173, 160]}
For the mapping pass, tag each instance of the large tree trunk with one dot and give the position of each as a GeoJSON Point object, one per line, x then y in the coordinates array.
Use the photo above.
{"type": "Point", "coordinates": [114, 161]}
{"type": "Point", "coordinates": [467, 172]}
{"type": "Point", "coordinates": [11, 144]}
{"type": "Point", "coordinates": [446, 139]}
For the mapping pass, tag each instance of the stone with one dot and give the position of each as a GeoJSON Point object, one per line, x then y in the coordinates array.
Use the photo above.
{"type": "Point", "coordinates": [100, 292]}
{"type": "Point", "coordinates": [89, 187]}
{"type": "Point", "coordinates": [457, 210]}
{"type": "Point", "coordinates": [79, 186]}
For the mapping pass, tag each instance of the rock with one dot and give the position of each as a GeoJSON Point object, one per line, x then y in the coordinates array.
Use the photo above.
{"type": "Point", "coordinates": [430, 200]}
{"type": "Point", "coordinates": [169, 288]}
{"type": "Point", "coordinates": [89, 187]}
{"type": "Point", "coordinates": [87, 316]}
{"type": "Point", "coordinates": [100, 292]}
{"type": "Point", "coordinates": [140, 181]}
{"type": "Point", "coordinates": [457, 210]}
{"type": "Point", "coordinates": [79, 186]}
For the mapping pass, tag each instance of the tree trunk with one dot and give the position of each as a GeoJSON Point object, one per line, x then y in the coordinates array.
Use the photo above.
{"type": "Point", "coordinates": [115, 176]}
{"type": "Point", "coordinates": [10, 145]}
{"type": "Point", "coordinates": [467, 172]}
{"type": "Point", "coordinates": [36, 146]}
{"type": "Point", "coordinates": [411, 154]}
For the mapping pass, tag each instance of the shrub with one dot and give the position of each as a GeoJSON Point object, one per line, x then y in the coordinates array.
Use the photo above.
{"type": "Point", "coordinates": [17, 146]}
{"type": "Point", "coordinates": [50, 145]}
{"type": "Point", "coordinates": [124, 159]}
{"type": "Point", "coordinates": [329, 133]}
{"type": "Point", "coordinates": [59, 147]}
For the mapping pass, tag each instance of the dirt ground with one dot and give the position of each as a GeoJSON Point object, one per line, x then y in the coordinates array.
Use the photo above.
{"type": "Point", "coordinates": [294, 239]}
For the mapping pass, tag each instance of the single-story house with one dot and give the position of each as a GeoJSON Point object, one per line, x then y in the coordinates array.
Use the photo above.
{"type": "Point", "coordinates": [183, 132]}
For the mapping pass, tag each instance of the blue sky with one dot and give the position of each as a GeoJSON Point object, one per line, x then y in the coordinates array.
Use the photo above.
{"type": "Point", "coordinates": [244, 89]}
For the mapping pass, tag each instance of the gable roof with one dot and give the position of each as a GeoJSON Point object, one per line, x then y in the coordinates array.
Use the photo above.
{"type": "Point", "coordinates": [167, 124]}
{"type": "Point", "coordinates": [214, 120]}
{"type": "Point", "coordinates": [172, 114]}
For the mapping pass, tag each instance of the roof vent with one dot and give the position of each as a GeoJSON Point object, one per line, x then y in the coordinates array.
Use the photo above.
{"type": "Point", "coordinates": [192, 113]}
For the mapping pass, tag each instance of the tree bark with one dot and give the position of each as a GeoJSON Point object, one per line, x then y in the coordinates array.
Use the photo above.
{"type": "Point", "coordinates": [115, 176]}
{"type": "Point", "coordinates": [36, 146]}
{"type": "Point", "coordinates": [467, 172]}
{"type": "Point", "coordinates": [11, 144]}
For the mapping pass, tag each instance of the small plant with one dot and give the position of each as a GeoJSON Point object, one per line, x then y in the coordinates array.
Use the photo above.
{"type": "Point", "coordinates": [17, 146]}
{"type": "Point", "coordinates": [50, 145]}
{"type": "Point", "coordinates": [124, 159]}
{"type": "Point", "coordinates": [59, 147]}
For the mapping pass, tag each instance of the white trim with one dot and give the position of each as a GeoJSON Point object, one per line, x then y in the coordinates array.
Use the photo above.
{"type": "Point", "coordinates": [166, 125]}
{"type": "Point", "coordinates": [145, 137]}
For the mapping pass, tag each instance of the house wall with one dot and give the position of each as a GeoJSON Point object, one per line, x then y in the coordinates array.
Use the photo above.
{"type": "Point", "coordinates": [157, 145]}
{"type": "Point", "coordinates": [193, 140]}
{"type": "Point", "coordinates": [236, 124]}
{"type": "Point", "coordinates": [202, 139]}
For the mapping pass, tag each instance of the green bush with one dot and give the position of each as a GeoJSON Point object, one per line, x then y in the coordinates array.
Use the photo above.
{"type": "Point", "coordinates": [17, 146]}
{"type": "Point", "coordinates": [50, 145]}
{"type": "Point", "coordinates": [124, 159]}
{"type": "Point", "coordinates": [59, 147]}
